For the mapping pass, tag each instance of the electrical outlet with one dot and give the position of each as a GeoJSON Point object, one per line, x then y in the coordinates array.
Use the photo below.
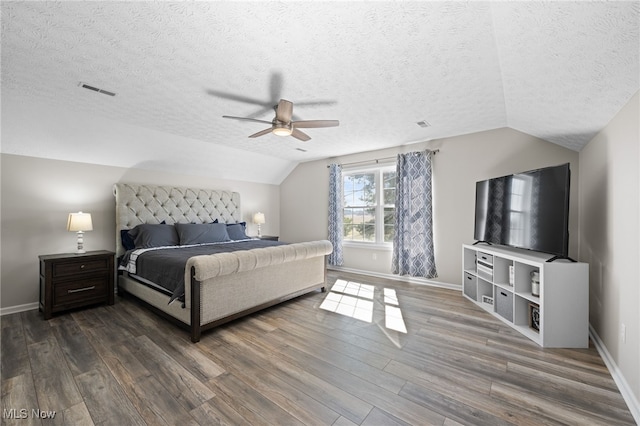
{"type": "Point", "coordinates": [623, 333]}
{"type": "Point", "coordinates": [374, 256]}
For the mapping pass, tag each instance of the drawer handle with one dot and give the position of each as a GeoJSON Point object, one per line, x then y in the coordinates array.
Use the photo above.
{"type": "Point", "coordinates": [81, 266]}
{"type": "Point", "coordinates": [77, 290]}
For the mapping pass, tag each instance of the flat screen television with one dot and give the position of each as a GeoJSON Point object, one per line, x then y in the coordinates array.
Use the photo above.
{"type": "Point", "coordinates": [528, 210]}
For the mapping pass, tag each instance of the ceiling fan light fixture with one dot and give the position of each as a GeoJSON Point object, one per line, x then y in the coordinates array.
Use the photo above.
{"type": "Point", "coordinates": [282, 129]}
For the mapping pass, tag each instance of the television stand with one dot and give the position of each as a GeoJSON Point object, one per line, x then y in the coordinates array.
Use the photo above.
{"type": "Point", "coordinates": [499, 279]}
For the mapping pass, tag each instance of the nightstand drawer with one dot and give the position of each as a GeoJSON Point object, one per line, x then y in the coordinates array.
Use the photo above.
{"type": "Point", "coordinates": [83, 291]}
{"type": "Point", "coordinates": [80, 266]}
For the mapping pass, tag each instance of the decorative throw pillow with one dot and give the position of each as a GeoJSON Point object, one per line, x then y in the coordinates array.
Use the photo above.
{"type": "Point", "coordinates": [237, 231]}
{"type": "Point", "coordinates": [200, 233]}
{"type": "Point", "coordinates": [154, 235]}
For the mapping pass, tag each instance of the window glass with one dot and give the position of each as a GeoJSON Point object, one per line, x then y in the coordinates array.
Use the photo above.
{"type": "Point", "coordinates": [369, 205]}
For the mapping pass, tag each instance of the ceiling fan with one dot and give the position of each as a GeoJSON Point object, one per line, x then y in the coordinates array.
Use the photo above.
{"type": "Point", "coordinates": [282, 125]}
{"type": "Point", "coordinates": [276, 82]}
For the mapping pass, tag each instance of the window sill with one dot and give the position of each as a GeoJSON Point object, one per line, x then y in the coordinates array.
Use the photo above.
{"type": "Point", "coordinates": [368, 246]}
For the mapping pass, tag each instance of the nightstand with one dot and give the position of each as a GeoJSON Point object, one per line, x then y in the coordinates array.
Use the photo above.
{"type": "Point", "coordinates": [268, 237]}
{"type": "Point", "coordinates": [72, 280]}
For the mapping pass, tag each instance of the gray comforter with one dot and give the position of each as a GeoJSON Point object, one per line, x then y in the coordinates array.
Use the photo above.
{"type": "Point", "coordinates": [165, 266]}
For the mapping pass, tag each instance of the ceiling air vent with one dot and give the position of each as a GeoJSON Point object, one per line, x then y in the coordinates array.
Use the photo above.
{"type": "Point", "coordinates": [424, 123]}
{"type": "Point", "coordinates": [95, 89]}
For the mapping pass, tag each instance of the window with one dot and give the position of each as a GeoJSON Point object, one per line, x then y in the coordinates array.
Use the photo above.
{"type": "Point", "coordinates": [369, 205]}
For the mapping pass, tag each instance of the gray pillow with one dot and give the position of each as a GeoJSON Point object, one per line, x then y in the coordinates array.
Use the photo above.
{"type": "Point", "coordinates": [236, 231]}
{"type": "Point", "coordinates": [149, 235]}
{"type": "Point", "coordinates": [200, 233]}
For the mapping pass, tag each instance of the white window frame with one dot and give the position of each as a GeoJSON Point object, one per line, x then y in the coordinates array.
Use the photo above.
{"type": "Point", "coordinates": [378, 170]}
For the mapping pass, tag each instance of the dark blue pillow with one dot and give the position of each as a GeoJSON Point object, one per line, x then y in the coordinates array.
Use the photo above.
{"type": "Point", "coordinates": [154, 235]}
{"type": "Point", "coordinates": [127, 240]}
{"type": "Point", "coordinates": [201, 233]}
{"type": "Point", "coordinates": [237, 231]}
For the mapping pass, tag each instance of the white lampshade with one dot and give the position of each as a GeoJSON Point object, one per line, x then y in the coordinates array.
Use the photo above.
{"type": "Point", "coordinates": [258, 218]}
{"type": "Point", "coordinates": [79, 222]}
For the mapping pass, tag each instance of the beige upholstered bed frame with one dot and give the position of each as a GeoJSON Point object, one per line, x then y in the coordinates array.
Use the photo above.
{"type": "Point", "coordinates": [219, 287]}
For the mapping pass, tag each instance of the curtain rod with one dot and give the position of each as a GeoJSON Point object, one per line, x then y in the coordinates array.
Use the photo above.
{"type": "Point", "coordinates": [377, 160]}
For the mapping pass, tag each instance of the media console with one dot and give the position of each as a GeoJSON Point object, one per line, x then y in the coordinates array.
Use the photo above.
{"type": "Point", "coordinates": [555, 314]}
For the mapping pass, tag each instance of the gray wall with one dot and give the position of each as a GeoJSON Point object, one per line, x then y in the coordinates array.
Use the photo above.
{"type": "Point", "coordinates": [38, 194]}
{"type": "Point", "coordinates": [610, 239]}
{"type": "Point", "coordinates": [461, 162]}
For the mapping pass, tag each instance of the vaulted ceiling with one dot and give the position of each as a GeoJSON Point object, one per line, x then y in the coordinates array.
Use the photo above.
{"type": "Point", "coordinates": [556, 70]}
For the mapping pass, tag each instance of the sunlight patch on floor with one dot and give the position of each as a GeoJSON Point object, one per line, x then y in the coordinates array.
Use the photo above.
{"type": "Point", "coordinates": [350, 299]}
{"type": "Point", "coordinates": [392, 313]}
{"type": "Point", "coordinates": [356, 289]}
{"type": "Point", "coordinates": [357, 300]}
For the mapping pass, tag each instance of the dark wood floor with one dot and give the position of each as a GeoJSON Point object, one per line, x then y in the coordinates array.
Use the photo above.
{"type": "Point", "coordinates": [299, 364]}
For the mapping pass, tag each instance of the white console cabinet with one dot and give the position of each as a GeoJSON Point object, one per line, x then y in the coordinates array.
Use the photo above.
{"type": "Point", "coordinates": [499, 279]}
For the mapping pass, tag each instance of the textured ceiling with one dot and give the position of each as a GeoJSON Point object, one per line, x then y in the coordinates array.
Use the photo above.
{"type": "Point", "coordinates": [559, 71]}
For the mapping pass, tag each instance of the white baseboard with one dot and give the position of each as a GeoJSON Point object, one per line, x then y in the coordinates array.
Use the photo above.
{"type": "Point", "coordinates": [623, 386]}
{"type": "Point", "coordinates": [19, 308]}
{"type": "Point", "coordinates": [402, 278]}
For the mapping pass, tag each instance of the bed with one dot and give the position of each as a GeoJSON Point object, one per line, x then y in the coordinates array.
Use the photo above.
{"type": "Point", "coordinates": [238, 276]}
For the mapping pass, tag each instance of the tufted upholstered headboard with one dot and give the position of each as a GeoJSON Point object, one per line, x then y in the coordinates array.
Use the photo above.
{"type": "Point", "coordinates": [139, 203]}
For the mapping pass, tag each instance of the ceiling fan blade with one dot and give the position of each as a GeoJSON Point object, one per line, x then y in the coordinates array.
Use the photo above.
{"type": "Point", "coordinates": [261, 133]}
{"type": "Point", "coordinates": [300, 135]}
{"type": "Point", "coordinates": [315, 103]}
{"type": "Point", "coordinates": [261, 112]}
{"type": "Point", "coordinates": [239, 98]}
{"type": "Point", "coordinates": [315, 123]}
{"type": "Point", "coordinates": [309, 103]}
{"type": "Point", "coordinates": [284, 111]}
{"type": "Point", "coordinates": [275, 86]}
{"type": "Point", "coordinates": [246, 119]}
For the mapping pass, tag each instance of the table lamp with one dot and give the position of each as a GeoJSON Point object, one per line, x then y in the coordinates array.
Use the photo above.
{"type": "Point", "coordinates": [79, 222]}
{"type": "Point", "coordinates": [259, 219]}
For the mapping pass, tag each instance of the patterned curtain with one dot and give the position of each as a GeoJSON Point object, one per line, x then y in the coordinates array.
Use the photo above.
{"type": "Point", "coordinates": [335, 214]}
{"type": "Point", "coordinates": [413, 239]}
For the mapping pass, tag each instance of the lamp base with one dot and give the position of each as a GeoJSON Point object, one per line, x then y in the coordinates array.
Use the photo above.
{"type": "Point", "coordinates": [80, 249]}
{"type": "Point", "coordinates": [259, 231]}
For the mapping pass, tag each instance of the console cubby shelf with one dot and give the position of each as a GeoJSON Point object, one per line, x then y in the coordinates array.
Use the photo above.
{"type": "Point", "coordinates": [561, 310]}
